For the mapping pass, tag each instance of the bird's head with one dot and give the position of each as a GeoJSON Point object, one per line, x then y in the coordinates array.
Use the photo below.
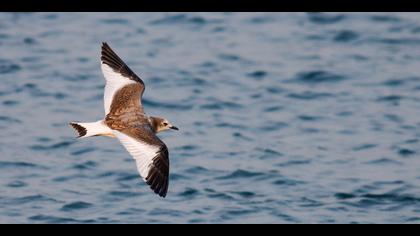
{"type": "Point", "coordinates": [161, 124]}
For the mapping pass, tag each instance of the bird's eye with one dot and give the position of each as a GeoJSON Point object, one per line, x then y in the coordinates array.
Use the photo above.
{"type": "Point", "coordinates": [165, 124]}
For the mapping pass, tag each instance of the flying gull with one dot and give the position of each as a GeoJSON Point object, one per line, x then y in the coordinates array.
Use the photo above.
{"type": "Point", "coordinates": [125, 119]}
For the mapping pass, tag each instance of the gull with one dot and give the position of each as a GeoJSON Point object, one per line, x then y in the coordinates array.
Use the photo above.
{"type": "Point", "coordinates": [125, 120]}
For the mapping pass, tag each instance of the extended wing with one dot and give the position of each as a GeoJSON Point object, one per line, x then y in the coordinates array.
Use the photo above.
{"type": "Point", "coordinates": [117, 75]}
{"type": "Point", "coordinates": [151, 155]}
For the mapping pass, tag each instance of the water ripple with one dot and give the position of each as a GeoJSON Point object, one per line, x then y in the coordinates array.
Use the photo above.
{"type": "Point", "coordinates": [241, 174]}
{"type": "Point", "coordinates": [7, 66]}
{"type": "Point", "coordinates": [316, 121]}
{"type": "Point", "coordinates": [74, 206]}
{"type": "Point", "coordinates": [308, 95]}
{"type": "Point", "coordinates": [319, 77]}
{"type": "Point", "coordinates": [325, 18]}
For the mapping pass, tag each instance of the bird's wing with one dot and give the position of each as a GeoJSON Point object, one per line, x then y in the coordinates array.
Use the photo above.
{"type": "Point", "coordinates": [117, 75]}
{"type": "Point", "coordinates": [151, 156]}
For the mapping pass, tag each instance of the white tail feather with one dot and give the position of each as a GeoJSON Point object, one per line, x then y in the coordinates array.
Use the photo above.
{"type": "Point", "coordinates": [97, 128]}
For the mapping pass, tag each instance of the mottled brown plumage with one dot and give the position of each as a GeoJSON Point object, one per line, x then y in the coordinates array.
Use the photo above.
{"type": "Point", "coordinates": [125, 109]}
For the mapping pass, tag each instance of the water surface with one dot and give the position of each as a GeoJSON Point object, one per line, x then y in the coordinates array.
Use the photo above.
{"type": "Point", "coordinates": [283, 117]}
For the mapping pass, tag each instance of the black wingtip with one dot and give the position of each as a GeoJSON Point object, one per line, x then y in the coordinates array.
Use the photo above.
{"type": "Point", "coordinates": [110, 58]}
{"type": "Point", "coordinates": [158, 176]}
{"type": "Point", "coordinates": [105, 45]}
{"type": "Point", "coordinates": [80, 129]}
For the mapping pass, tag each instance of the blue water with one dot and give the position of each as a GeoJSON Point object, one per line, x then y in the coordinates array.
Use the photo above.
{"type": "Point", "coordinates": [283, 117]}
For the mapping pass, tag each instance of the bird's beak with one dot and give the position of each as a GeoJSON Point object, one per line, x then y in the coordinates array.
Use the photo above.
{"type": "Point", "coordinates": [174, 127]}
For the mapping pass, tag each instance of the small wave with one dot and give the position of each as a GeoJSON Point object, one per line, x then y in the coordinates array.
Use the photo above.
{"type": "Point", "coordinates": [123, 194]}
{"type": "Point", "coordinates": [318, 76]}
{"type": "Point", "coordinates": [261, 19]}
{"type": "Point", "coordinates": [287, 182]}
{"type": "Point", "coordinates": [390, 98]}
{"type": "Point", "coordinates": [195, 81]}
{"type": "Point", "coordinates": [51, 147]}
{"type": "Point", "coordinates": [240, 212]}
{"type": "Point", "coordinates": [127, 177]}
{"type": "Point", "coordinates": [405, 152]}
{"type": "Point", "coordinates": [229, 57]}
{"type": "Point", "coordinates": [394, 82]}
{"type": "Point", "coordinates": [5, 164]}
{"type": "Point", "coordinates": [294, 162]}
{"type": "Point", "coordinates": [309, 118]}
{"type": "Point", "coordinates": [275, 89]}
{"type": "Point", "coordinates": [258, 75]}
{"type": "Point", "coordinates": [58, 220]}
{"type": "Point", "coordinates": [29, 41]}
{"type": "Point", "coordinates": [239, 135]}
{"type": "Point", "coordinates": [79, 205]}
{"type": "Point", "coordinates": [218, 29]}
{"type": "Point", "coordinates": [230, 125]}
{"type": "Point", "coordinates": [383, 160]}
{"type": "Point", "coordinates": [4, 36]}
{"type": "Point", "coordinates": [222, 196]}
{"type": "Point", "coordinates": [394, 118]}
{"type": "Point", "coordinates": [325, 18]}
{"type": "Point", "coordinates": [9, 119]}
{"type": "Point", "coordinates": [364, 146]}
{"type": "Point", "coordinates": [345, 36]}
{"type": "Point", "coordinates": [244, 194]}
{"type": "Point", "coordinates": [269, 153]}
{"type": "Point", "coordinates": [396, 41]}
{"type": "Point", "coordinates": [180, 19]}
{"type": "Point", "coordinates": [241, 174]}
{"type": "Point", "coordinates": [11, 103]}
{"type": "Point", "coordinates": [174, 176]}
{"type": "Point", "coordinates": [69, 177]}
{"type": "Point", "coordinates": [7, 66]}
{"type": "Point", "coordinates": [17, 184]}
{"type": "Point", "coordinates": [221, 105]}
{"type": "Point", "coordinates": [85, 165]}
{"type": "Point", "coordinates": [115, 21]}
{"type": "Point", "coordinates": [309, 95]}
{"type": "Point", "coordinates": [33, 198]}
{"type": "Point", "coordinates": [189, 193]}
{"type": "Point", "coordinates": [187, 147]}
{"type": "Point", "coordinates": [36, 91]}
{"type": "Point", "coordinates": [78, 77]}
{"type": "Point", "coordinates": [308, 202]}
{"type": "Point", "coordinates": [273, 126]}
{"type": "Point", "coordinates": [168, 212]}
{"type": "Point", "coordinates": [197, 170]}
{"type": "Point", "coordinates": [385, 18]}
{"type": "Point", "coordinates": [82, 151]}
{"type": "Point", "coordinates": [273, 108]}
{"type": "Point", "coordinates": [397, 198]}
{"type": "Point", "coordinates": [344, 195]}
{"type": "Point", "coordinates": [174, 106]}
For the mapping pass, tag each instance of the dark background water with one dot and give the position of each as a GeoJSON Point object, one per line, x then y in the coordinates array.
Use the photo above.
{"type": "Point", "coordinates": [284, 117]}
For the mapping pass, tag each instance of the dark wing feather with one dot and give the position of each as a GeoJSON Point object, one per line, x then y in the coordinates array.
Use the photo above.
{"type": "Point", "coordinates": [158, 177]}
{"type": "Point", "coordinates": [143, 144]}
{"type": "Point", "coordinates": [110, 58]}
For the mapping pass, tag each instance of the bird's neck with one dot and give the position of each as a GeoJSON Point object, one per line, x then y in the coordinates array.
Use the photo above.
{"type": "Point", "coordinates": [154, 124]}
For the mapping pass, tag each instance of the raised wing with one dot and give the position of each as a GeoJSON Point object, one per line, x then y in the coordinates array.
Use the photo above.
{"type": "Point", "coordinates": [117, 75]}
{"type": "Point", "coordinates": [151, 155]}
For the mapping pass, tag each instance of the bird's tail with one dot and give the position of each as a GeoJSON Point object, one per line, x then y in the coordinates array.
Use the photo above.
{"type": "Point", "coordinates": [97, 128]}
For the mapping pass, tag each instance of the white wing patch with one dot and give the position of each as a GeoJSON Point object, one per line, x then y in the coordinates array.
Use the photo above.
{"type": "Point", "coordinates": [114, 82]}
{"type": "Point", "coordinates": [142, 152]}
